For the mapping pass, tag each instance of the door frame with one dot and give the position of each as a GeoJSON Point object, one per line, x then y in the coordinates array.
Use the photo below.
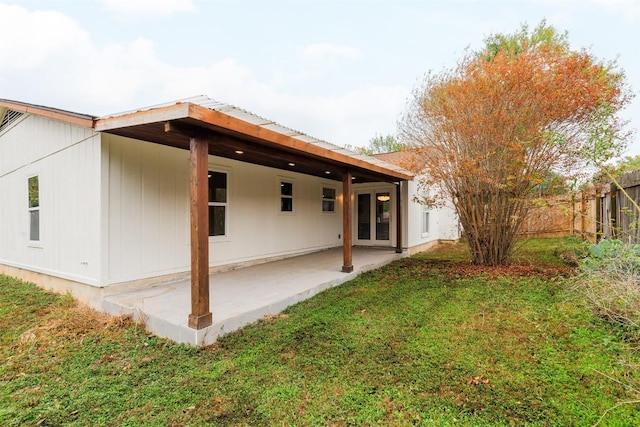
{"type": "Point", "coordinates": [373, 190]}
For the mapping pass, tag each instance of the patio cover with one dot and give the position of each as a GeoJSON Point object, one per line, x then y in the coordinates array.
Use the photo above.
{"type": "Point", "coordinates": [207, 127]}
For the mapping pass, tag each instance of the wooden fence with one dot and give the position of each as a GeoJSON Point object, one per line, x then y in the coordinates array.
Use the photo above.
{"type": "Point", "coordinates": [604, 212]}
{"type": "Point", "coordinates": [619, 217]}
{"type": "Point", "coordinates": [564, 215]}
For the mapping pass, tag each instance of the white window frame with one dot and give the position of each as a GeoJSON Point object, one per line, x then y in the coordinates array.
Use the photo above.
{"type": "Point", "coordinates": [334, 199]}
{"type": "Point", "coordinates": [225, 236]}
{"type": "Point", "coordinates": [30, 209]}
{"type": "Point", "coordinates": [281, 181]}
{"type": "Point", "coordinates": [425, 219]}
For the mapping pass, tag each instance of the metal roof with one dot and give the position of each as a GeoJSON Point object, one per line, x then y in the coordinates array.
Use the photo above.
{"type": "Point", "coordinates": [249, 117]}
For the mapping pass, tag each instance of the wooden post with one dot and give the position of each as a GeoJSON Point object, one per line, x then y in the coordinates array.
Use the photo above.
{"type": "Point", "coordinates": [613, 218]}
{"type": "Point", "coordinates": [200, 316]}
{"type": "Point", "coordinates": [399, 217]}
{"type": "Point", "coordinates": [583, 216]}
{"type": "Point", "coordinates": [347, 265]}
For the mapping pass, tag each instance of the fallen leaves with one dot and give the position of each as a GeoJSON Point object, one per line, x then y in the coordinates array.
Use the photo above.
{"type": "Point", "coordinates": [479, 380]}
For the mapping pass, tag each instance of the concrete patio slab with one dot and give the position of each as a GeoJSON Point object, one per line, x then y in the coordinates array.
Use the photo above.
{"type": "Point", "coordinates": [242, 296]}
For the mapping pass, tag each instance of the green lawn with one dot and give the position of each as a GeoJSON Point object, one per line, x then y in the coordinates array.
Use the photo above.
{"type": "Point", "coordinates": [428, 340]}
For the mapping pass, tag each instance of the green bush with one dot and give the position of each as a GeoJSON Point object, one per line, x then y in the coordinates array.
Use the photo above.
{"type": "Point", "coordinates": [610, 279]}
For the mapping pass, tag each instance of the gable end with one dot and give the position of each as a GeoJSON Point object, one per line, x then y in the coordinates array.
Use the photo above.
{"type": "Point", "coordinates": [8, 117]}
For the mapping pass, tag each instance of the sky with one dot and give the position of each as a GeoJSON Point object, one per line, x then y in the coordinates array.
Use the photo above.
{"type": "Point", "coordinates": [341, 71]}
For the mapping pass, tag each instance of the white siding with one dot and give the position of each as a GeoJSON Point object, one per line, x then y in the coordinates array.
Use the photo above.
{"type": "Point", "coordinates": [66, 159]}
{"type": "Point", "coordinates": [114, 210]}
{"type": "Point", "coordinates": [147, 231]}
{"type": "Point", "coordinates": [443, 222]}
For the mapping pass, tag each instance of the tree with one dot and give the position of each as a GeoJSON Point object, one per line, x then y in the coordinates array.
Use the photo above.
{"type": "Point", "coordinates": [382, 144]}
{"type": "Point", "coordinates": [621, 167]}
{"type": "Point", "coordinates": [490, 130]}
{"type": "Point", "coordinates": [379, 144]}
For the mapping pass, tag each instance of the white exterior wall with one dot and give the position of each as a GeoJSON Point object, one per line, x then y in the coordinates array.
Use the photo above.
{"type": "Point", "coordinates": [146, 225]}
{"type": "Point", "coordinates": [66, 159]}
{"type": "Point", "coordinates": [116, 210]}
{"type": "Point", "coordinates": [443, 221]}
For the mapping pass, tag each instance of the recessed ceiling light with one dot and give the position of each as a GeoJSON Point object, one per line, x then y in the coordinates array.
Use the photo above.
{"type": "Point", "coordinates": [292, 164]}
{"type": "Point", "coordinates": [239, 152]}
{"type": "Point", "coordinates": [327, 172]}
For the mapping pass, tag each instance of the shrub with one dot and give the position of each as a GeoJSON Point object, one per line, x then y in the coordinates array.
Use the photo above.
{"type": "Point", "coordinates": [610, 279]}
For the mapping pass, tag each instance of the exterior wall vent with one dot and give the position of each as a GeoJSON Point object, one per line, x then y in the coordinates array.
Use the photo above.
{"type": "Point", "coordinates": [8, 118]}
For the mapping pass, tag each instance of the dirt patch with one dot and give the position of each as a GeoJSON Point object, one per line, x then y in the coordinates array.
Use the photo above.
{"type": "Point", "coordinates": [510, 270]}
{"type": "Point", "coordinates": [466, 269]}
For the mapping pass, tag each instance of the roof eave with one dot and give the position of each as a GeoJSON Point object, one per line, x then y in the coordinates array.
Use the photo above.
{"type": "Point", "coordinates": [142, 117]}
{"type": "Point", "coordinates": [224, 121]}
{"type": "Point", "coordinates": [52, 113]}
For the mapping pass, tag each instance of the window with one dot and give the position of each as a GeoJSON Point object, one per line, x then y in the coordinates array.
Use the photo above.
{"type": "Point", "coordinates": [34, 208]}
{"type": "Point", "coordinates": [286, 196]}
{"type": "Point", "coordinates": [217, 203]}
{"type": "Point", "coordinates": [328, 199]}
{"type": "Point", "coordinates": [425, 219]}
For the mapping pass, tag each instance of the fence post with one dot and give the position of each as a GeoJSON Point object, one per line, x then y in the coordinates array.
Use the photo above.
{"type": "Point", "coordinates": [583, 215]}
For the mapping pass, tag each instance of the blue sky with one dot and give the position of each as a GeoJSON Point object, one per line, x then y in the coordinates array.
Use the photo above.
{"type": "Point", "coordinates": [338, 70]}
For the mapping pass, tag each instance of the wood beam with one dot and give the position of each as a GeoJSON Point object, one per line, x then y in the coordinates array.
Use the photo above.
{"type": "Point", "coordinates": [200, 316]}
{"type": "Point", "coordinates": [223, 143]}
{"type": "Point", "coordinates": [347, 265]}
{"type": "Point", "coordinates": [399, 217]}
{"type": "Point", "coordinates": [235, 125]}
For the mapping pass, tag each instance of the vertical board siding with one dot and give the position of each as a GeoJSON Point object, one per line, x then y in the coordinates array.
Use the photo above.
{"type": "Point", "coordinates": [67, 160]}
{"type": "Point", "coordinates": [443, 221]}
{"type": "Point", "coordinates": [147, 215]}
{"type": "Point", "coordinates": [115, 209]}
{"type": "Point", "coordinates": [148, 219]}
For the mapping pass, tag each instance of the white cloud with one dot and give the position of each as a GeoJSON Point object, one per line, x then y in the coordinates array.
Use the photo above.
{"type": "Point", "coordinates": [30, 38]}
{"type": "Point", "coordinates": [141, 8]}
{"type": "Point", "coordinates": [72, 72]}
{"type": "Point", "coordinates": [351, 118]}
{"type": "Point", "coordinates": [329, 51]}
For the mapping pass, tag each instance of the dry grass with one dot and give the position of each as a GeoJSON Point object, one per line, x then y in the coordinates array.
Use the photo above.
{"type": "Point", "coordinates": [610, 280]}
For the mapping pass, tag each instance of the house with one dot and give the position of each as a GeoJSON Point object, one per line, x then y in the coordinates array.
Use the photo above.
{"type": "Point", "coordinates": [100, 205]}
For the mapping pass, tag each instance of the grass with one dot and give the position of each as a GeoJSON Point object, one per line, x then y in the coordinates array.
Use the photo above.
{"type": "Point", "coordinates": [427, 340]}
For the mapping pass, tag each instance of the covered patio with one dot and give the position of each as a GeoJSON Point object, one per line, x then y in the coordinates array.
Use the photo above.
{"type": "Point", "coordinates": [207, 128]}
{"type": "Point", "coordinates": [244, 295]}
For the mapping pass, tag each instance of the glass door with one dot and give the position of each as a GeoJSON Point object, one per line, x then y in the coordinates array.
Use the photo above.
{"type": "Point", "coordinates": [364, 216]}
{"type": "Point", "coordinates": [373, 219]}
{"type": "Point", "coordinates": [383, 215]}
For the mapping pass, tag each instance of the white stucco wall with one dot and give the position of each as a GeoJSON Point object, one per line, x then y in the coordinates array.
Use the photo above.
{"type": "Point", "coordinates": [146, 225]}
{"type": "Point", "coordinates": [65, 158]}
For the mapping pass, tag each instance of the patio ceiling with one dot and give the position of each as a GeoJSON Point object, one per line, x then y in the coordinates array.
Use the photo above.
{"type": "Point", "coordinates": [237, 134]}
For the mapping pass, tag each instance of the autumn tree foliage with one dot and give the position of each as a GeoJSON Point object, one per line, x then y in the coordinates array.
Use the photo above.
{"type": "Point", "coordinates": [489, 131]}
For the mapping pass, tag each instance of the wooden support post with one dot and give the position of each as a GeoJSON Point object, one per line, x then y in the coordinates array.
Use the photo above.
{"type": "Point", "coordinates": [347, 265]}
{"type": "Point", "coordinates": [399, 217]}
{"type": "Point", "coordinates": [200, 316]}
